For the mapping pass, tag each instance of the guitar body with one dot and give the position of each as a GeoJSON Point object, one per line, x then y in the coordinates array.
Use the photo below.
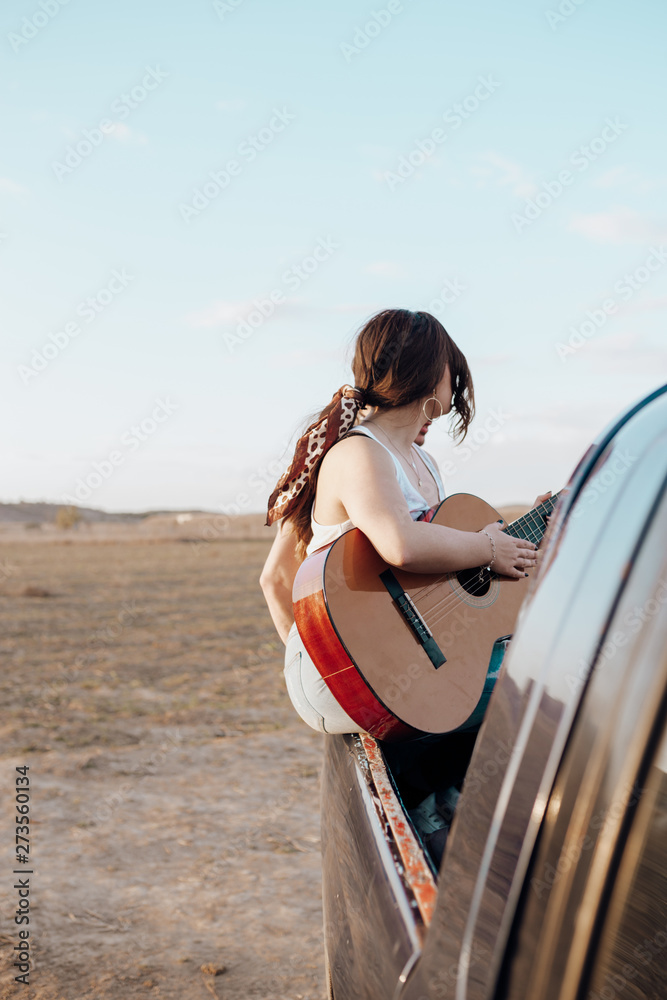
{"type": "Point", "coordinates": [372, 646]}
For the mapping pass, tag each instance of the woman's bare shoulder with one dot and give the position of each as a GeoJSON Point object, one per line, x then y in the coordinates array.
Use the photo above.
{"type": "Point", "coordinates": [355, 448]}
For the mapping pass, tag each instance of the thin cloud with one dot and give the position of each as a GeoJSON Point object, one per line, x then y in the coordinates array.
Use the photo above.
{"type": "Point", "coordinates": [644, 305]}
{"type": "Point", "coordinates": [611, 178]}
{"type": "Point", "coordinates": [11, 187]}
{"type": "Point", "coordinates": [618, 225]}
{"type": "Point", "coordinates": [305, 358]}
{"type": "Point", "coordinates": [233, 104]}
{"type": "Point", "coordinates": [627, 353]}
{"type": "Point", "coordinates": [226, 312]}
{"type": "Point", "coordinates": [491, 360]}
{"type": "Point", "coordinates": [385, 269]}
{"type": "Point", "coordinates": [564, 421]}
{"type": "Point", "coordinates": [416, 175]}
{"type": "Point", "coordinates": [503, 172]}
{"type": "Point", "coordinates": [123, 133]}
{"type": "Point", "coordinates": [375, 151]}
{"type": "Point", "coordinates": [219, 314]}
{"type": "Point", "coordinates": [352, 307]}
{"type": "Point", "coordinates": [636, 181]}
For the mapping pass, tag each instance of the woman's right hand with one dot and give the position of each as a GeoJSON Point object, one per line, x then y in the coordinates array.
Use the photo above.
{"type": "Point", "coordinates": [514, 556]}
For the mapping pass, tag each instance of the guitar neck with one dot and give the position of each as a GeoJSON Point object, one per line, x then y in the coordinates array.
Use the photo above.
{"type": "Point", "coordinates": [532, 524]}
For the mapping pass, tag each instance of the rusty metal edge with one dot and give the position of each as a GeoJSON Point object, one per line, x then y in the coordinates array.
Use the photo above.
{"type": "Point", "coordinates": [416, 870]}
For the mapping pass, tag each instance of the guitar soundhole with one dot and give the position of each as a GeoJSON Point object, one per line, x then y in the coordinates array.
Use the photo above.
{"type": "Point", "coordinates": [475, 581]}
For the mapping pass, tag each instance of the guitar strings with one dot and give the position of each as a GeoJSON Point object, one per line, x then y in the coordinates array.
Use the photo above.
{"type": "Point", "coordinates": [434, 583]}
{"type": "Point", "coordinates": [451, 602]}
{"type": "Point", "coordinates": [442, 610]}
{"type": "Point", "coordinates": [439, 611]}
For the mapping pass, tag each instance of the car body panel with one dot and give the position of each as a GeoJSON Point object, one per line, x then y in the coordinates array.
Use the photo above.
{"type": "Point", "coordinates": [373, 924]}
{"type": "Point", "coordinates": [630, 960]}
{"type": "Point", "coordinates": [601, 779]}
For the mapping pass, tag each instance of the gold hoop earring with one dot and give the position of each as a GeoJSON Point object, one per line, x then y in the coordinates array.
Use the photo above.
{"type": "Point", "coordinates": [442, 409]}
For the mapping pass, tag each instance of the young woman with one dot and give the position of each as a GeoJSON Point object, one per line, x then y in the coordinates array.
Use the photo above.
{"type": "Point", "coordinates": [410, 372]}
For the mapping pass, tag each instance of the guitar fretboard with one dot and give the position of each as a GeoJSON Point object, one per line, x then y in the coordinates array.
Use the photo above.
{"type": "Point", "coordinates": [532, 525]}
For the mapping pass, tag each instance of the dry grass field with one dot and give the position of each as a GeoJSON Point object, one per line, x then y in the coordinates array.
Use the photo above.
{"type": "Point", "coordinates": [174, 792]}
{"type": "Point", "coordinates": [174, 823]}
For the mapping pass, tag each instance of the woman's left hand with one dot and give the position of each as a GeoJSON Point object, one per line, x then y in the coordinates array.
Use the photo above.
{"type": "Point", "coordinates": [541, 499]}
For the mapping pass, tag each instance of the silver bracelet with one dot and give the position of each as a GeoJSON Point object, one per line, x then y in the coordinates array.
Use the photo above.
{"type": "Point", "coordinates": [493, 547]}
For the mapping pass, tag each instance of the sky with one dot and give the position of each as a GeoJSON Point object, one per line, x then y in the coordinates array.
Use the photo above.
{"type": "Point", "coordinates": [202, 203]}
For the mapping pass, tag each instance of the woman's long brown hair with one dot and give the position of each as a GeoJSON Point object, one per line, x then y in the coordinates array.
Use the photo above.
{"type": "Point", "coordinates": [399, 358]}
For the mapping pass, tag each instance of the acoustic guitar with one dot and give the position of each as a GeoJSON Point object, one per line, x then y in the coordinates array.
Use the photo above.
{"type": "Point", "coordinates": [407, 654]}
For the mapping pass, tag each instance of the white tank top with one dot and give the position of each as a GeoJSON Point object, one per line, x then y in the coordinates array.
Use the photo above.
{"type": "Point", "coordinates": [324, 534]}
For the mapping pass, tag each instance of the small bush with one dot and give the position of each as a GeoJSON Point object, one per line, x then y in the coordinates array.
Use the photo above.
{"type": "Point", "coordinates": [67, 517]}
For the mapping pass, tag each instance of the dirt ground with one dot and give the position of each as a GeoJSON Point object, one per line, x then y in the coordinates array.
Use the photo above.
{"type": "Point", "coordinates": [174, 792]}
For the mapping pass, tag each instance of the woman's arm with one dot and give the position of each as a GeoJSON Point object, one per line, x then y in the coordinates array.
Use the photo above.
{"type": "Point", "coordinates": [277, 579]}
{"type": "Point", "coordinates": [361, 475]}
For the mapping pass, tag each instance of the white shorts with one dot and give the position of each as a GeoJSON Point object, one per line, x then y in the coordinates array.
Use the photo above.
{"type": "Point", "coordinates": [318, 708]}
{"type": "Point", "coordinates": [309, 693]}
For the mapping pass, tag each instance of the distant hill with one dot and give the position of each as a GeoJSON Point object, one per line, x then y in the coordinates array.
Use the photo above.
{"type": "Point", "coordinates": [38, 522]}
{"type": "Point", "coordinates": [45, 513]}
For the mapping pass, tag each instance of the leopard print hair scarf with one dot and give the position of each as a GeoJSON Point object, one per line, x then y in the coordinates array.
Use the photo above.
{"type": "Point", "coordinates": [311, 447]}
